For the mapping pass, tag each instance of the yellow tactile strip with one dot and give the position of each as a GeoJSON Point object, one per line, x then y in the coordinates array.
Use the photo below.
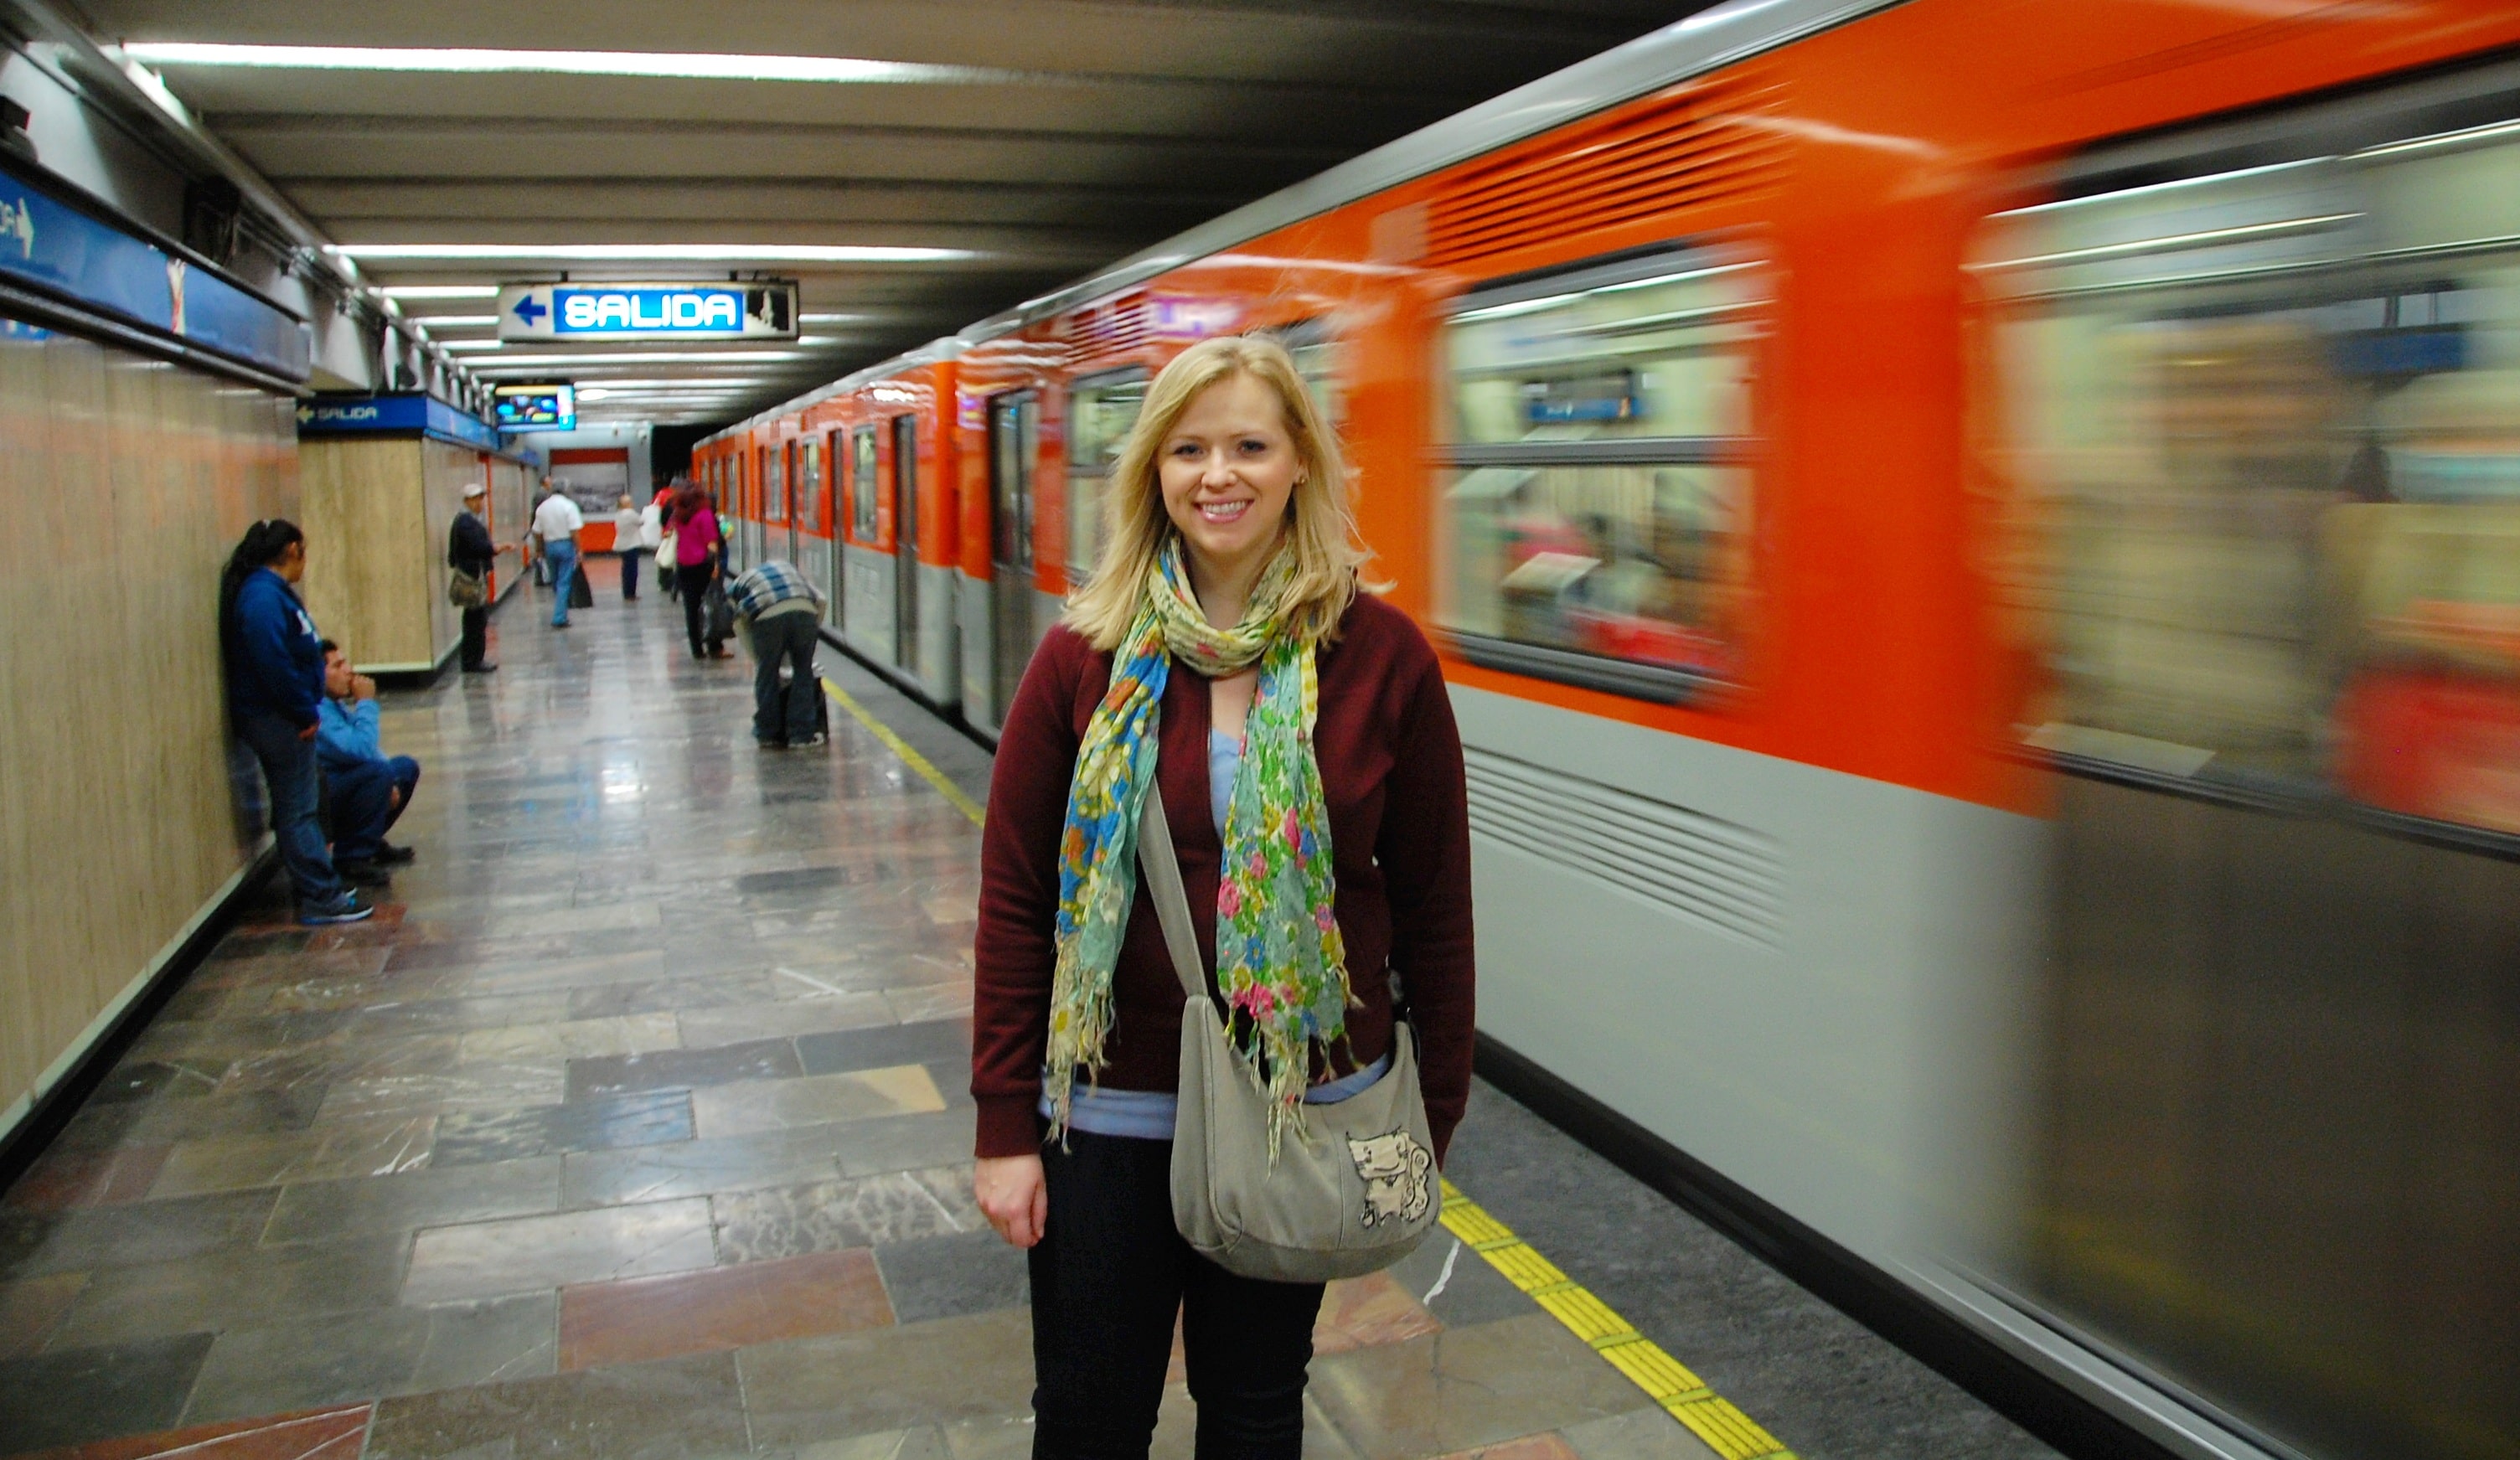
{"type": "Point", "coordinates": [1665, 1378]}
{"type": "Point", "coordinates": [900, 748]}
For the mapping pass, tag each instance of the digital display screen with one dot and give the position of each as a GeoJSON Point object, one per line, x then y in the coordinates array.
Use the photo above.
{"type": "Point", "coordinates": [537, 407]}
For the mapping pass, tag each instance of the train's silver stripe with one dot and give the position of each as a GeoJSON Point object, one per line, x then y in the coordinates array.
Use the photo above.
{"type": "Point", "coordinates": [1724, 876]}
{"type": "Point", "coordinates": [1707, 41]}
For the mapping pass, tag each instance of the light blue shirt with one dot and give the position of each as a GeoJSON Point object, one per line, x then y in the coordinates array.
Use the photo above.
{"type": "Point", "coordinates": [1147, 1114]}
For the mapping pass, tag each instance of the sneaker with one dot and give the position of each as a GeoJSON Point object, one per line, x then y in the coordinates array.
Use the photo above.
{"type": "Point", "coordinates": [815, 739]}
{"type": "Point", "coordinates": [362, 871]}
{"type": "Point", "coordinates": [482, 668]}
{"type": "Point", "coordinates": [348, 908]}
{"type": "Point", "coordinates": [389, 855]}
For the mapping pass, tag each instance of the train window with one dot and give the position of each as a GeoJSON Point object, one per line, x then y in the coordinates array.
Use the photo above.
{"type": "Point", "coordinates": [809, 485]}
{"type": "Point", "coordinates": [862, 485]}
{"type": "Point", "coordinates": [1600, 508]}
{"type": "Point", "coordinates": [1015, 437]}
{"type": "Point", "coordinates": [1101, 411]}
{"type": "Point", "coordinates": [2261, 429]}
{"type": "Point", "coordinates": [1316, 352]}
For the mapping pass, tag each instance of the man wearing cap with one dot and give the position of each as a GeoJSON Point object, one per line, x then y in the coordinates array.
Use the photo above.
{"type": "Point", "coordinates": [468, 551]}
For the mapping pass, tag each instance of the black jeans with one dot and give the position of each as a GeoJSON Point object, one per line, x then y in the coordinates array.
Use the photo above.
{"type": "Point", "coordinates": [785, 638]}
{"type": "Point", "coordinates": [693, 578]}
{"type": "Point", "coordinates": [1107, 1277]}
{"type": "Point", "coordinates": [630, 573]}
{"type": "Point", "coordinates": [476, 636]}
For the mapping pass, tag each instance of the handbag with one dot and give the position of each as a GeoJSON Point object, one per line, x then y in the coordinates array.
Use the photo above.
{"type": "Point", "coordinates": [1352, 1187]}
{"type": "Point", "coordinates": [467, 590]}
{"type": "Point", "coordinates": [581, 594]}
{"type": "Point", "coordinates": [721, 615]}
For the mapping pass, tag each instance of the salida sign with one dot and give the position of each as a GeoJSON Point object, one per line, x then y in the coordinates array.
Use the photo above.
{"type": "Point", "coordinates": [647, 311]}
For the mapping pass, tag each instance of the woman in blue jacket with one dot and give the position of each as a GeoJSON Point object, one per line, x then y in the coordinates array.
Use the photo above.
{"type": "Point", "coordinates": [275, 663]}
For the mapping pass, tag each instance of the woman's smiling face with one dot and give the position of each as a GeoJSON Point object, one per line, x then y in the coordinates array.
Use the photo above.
{"type": "Point", "coordinates": [1228, 468]}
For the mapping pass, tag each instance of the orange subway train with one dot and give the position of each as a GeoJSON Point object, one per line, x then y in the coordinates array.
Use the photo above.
{"type": "Point", "coordinates": [1976, 544]}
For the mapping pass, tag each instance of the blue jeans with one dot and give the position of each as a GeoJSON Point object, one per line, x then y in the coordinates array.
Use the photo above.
{"type": "Point", "coordinates": [564, 571]}
{"type": "Point", "coordinates": [364, 808]}
{"type": "Point", "coordinates": [288, 770]}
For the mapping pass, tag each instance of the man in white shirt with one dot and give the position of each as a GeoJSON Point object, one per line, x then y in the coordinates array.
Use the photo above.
{"type": "Point", "coordinates": [558, 522]}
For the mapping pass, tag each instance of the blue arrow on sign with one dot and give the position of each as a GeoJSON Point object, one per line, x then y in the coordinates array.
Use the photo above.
{"type": "Point", "coordinates": [530, 309]}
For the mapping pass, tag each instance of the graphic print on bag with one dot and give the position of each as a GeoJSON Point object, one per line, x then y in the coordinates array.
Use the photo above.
{"type": "Point", "coordinates": [1394, 1167]}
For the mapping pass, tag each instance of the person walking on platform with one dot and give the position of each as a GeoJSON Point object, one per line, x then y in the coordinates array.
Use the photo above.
{"type": "Point", "coordinates": [1298, 731]}
{"type": "Point", "coordinates": [471, 553]}
{"type": "Point", "coordinates": [627, 547]}
{"type": "Point", "coordinates": [696, 559]}
{"type": "Point", "coordinates": [558, 522]}
{"type": "Point", "coordinates": [275, 668]}
{"type": "Point", "coordinates": [782, 616]}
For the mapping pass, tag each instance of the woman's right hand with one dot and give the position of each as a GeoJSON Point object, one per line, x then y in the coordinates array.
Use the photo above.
{"type": "Point", "coordinates": [1013, 1197]}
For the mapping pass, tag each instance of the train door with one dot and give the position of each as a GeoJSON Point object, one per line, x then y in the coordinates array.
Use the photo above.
{"type": "Point", "coordinates": [832, 494]}
{"type": "Point", "coordinates": [791, 505]}
{"type": "Point", "coordinates": [865, 604]}
{"type": "Point", "coordinates": [1014, 431]}
{"type": "Point", "coordinates": [905, 541]}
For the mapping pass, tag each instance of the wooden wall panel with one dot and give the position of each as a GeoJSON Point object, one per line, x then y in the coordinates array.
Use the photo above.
{"type": "Point", "coordinates": [509, 501]}
{"type": "Point", "coordinates": [445, 470]}
{"type": "Point", "coordinates": [372, 569]}
{"type": "Point", "coordinates": [126, 482]}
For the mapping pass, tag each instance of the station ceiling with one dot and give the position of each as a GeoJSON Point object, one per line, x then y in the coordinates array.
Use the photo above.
{"type": "Point", "coordinates": [1035, 139]}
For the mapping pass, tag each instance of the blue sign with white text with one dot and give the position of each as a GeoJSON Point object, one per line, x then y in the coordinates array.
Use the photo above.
{"type": "Point", "coordinates": [397, 415]}
{"type": "Point", "coordinates": [53, 246]}
{"type": "Point", "coordinates": [764, 309]}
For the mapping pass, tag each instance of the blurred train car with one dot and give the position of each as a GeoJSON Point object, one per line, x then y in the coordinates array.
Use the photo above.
{"type": "Point", "coordinates": [1977, 547]}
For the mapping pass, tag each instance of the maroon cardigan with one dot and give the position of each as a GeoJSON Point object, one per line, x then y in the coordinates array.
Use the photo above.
{"type": "Point", "coordinates": [1400, 842]}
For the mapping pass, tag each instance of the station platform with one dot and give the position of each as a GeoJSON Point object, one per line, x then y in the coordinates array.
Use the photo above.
{"type": "Point", "coordinates": [635, 1125]}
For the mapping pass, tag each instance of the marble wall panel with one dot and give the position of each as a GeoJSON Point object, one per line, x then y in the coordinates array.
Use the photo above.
{"type": "Point", "coordinates": [125, 482]}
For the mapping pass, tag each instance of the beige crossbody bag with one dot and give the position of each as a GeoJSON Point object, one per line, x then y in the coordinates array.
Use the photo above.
{"type": "Point", "coordinates": [1352, 1190]}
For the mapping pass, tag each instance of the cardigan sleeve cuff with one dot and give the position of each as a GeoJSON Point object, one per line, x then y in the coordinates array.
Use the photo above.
{"type": "Point", "coordinates": [1008, 1126]}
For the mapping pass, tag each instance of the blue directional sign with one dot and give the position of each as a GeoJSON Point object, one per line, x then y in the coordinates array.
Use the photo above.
{"type": "Point", "coordinates": [761, 310]}
{"type": "Point", "coordinates": [62, 245]}
{"type": "Point", "coordinates": [399, 414]}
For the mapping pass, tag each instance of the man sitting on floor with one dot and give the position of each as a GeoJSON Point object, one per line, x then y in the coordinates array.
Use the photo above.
{"type": "Point", "coordinates": [367, 789]}
{"type": "Point", "coordinates": [782, 615]}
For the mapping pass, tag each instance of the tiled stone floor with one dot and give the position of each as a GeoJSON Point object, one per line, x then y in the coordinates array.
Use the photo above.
{"type": "Point", "coordinates": [634, 1126]}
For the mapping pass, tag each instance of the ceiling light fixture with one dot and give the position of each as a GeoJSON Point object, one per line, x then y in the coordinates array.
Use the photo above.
{"type": "Point", "coordinates": [439, 291]}
{"type": "Point", "coordinates": [635, 359]}
{"type": "Point", "coordinates": [703, 65]}
{"type": "Point", "coordinates": [681, 253]}
{"type": "Point", "coordinates": [454, 320]}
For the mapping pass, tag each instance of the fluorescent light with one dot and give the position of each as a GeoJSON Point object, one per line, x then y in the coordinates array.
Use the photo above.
{"type": "Point", "coordinates": [704, 253]}
{"type": "Point", "coordinates": [833, 319]}
{"type": "Point", "coordinates": [693, 66]}
{"type": "Point", "coordinates": [639, 358]}
{"type": "Point", "coordinates": [469, 344]}
{"type": "Point", "coordinates": [454, 320]}
{"type": "Point", "coordinates": [440, 292]}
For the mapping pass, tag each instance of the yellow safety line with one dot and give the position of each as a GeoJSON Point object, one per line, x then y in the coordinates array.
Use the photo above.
{"type": "Point", "coordinates": [1665, 1380]}
{"type": "Point", "coordinates": [909, 756]}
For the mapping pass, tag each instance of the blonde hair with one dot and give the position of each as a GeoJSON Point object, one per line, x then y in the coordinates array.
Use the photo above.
{"type": "Point", "coordinates": [1136, 527]}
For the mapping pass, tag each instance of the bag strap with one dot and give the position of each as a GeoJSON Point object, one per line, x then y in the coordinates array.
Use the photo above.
{"type": "Point", "coordinates": [1172, 903]}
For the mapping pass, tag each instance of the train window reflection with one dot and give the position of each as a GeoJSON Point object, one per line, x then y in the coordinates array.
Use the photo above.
{"type": "Point", "coordinates": [1316, 353]}
{"type": "Point", "coordinates": [1101, 411]}
{"type": "Point", "coordinates": [809, 505]}
{"type": "Point", "coordinates": [862, 485]}
{"type": "Point", "coordinates": [1599, 513]}
{"type": "Point", "coordinates": [2263, 433]}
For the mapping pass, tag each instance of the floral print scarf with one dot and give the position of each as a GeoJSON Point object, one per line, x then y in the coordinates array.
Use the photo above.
{"type": "Point", "coordinates": [1281, 965]}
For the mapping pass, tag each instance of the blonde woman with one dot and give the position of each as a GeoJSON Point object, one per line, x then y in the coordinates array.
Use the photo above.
{"type": "Point", "coordinates": [1300, 735]}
